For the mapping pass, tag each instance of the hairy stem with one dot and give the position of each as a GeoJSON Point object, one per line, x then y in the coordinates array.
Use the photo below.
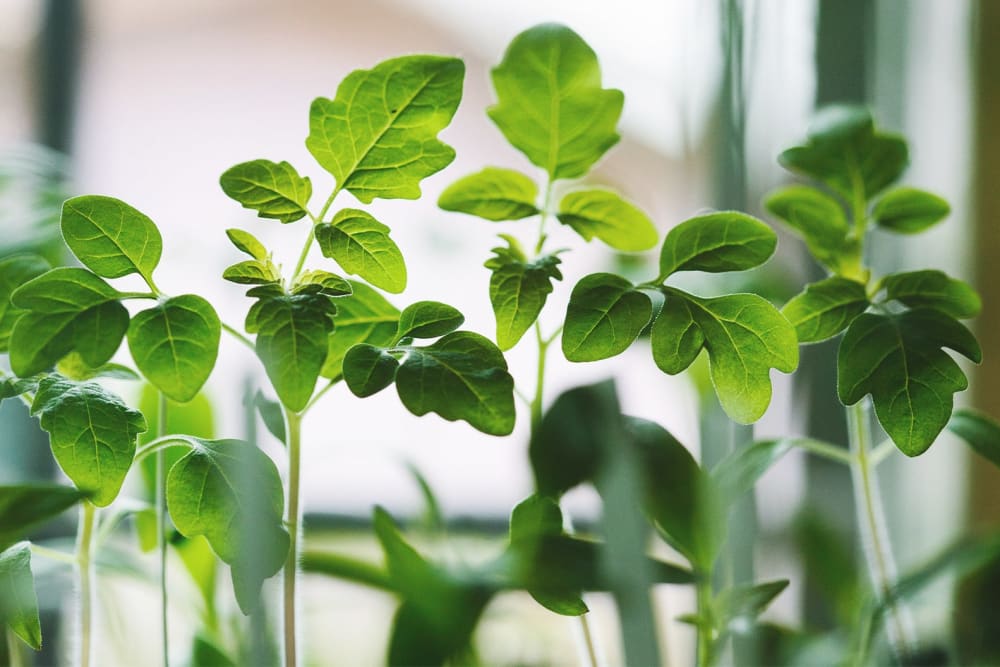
{"type": "Point", "coordinates": [294, 423]}
{"type": "Point", "coordinates": [161, 527]}
{"type": "Point", "coordinates": [871, 522]}
{"type": "Point", "coordinates": [85, 573]}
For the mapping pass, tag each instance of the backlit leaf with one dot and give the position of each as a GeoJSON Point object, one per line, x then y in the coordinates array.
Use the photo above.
{"type": "Point", "coordinates": [63, 290]}
{"type": "Point", "coordinates": [933, 289]}
{"type": "Point", "coordinates": [18, 602]}
{"type": "Point", "coordinates": [605, 315]}
{"type": "Point", "coordinates": [273, 189]}
{"type": "Point", "coordinates": [39, 340]}
{"type": "Point", "coordinates": [825, 308]}
{"type": "Point", "coordinates": [494, 194]}
{"type": "Point", "coordinates": [248, 243]}
{"type": "Point", "coordinates": [819, 219]}
{"type": "Point", "coordinates": [378, 136]}
{"type": "Point", "coordinates": [609, 217]}
{"type": "Point", "coordinates": [550, 102]}
{"type": "Point", "coordinates": [717, 242]}
{"type": "Point", "coordinates": [14, 272]}
{"type": "Point", "coordinates": [363, 317]}
{"type": "Point", "coordinates": [428, 319]}
{"type": "Point", "coordinates": [111, 238]}
{"type": "Point", "coordinates": [518, 290]}
{"type": "Point", "coordinates": [361, 245]}
{"type": "Point", "coordinates": [908, 210]}
{"type": "Point", "coordinates": [23, 507]}
{"type": "Point", "coordinates": [321, 282]}
{"type": "Point", "coordinates": [980, 432]}
{"type": "Point", "coordinates": [252, 272]}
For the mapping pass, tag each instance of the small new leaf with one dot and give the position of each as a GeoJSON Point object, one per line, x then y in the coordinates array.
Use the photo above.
{"type": "Point", "coordinates": [550, 102]}
{"type": "Point", "coordinates": [361, 245]}
{"type": "Point", "coordinates": [378, 136]}
{"type": "Point", "coordinates": [322, 282]}
{"type": "Point", "coordinates": [518, 290]}
{"type": "Point", "coordinates": [252, 272]}
{"type": "Point", "coordinates": [18, 602]}
{"type": "Point", "coordinates": [494, 194]}
{"type": "Point", "coordinates": [933, 289]}
{"type": "Point", "coordinates": [363, 317]}
{"type": "Point", "coordinates": [92, 434]}
{"type": "Point", "coordinates": [14, 272]}
{"type": "Point", "coordinates": [273, 189]}
{"type": "Point", "coordinates": [909, 211]}
{"type": "Point", "coordinates": [605, 315]}
{"type": "Point", "coordinates": [248, 243]}
{"type": "Point", "coordinates": [609, 217]}
{"type": "Point", "coordinates": [175, 344]}
{"type": "Point", "coordinates": [111, 238]}
{"type": "Point", "coordinates": [368, 370]}
{"type": "Point", "coordinates": [24, 507]}
{"type": "Point", "coordinates": [818, 219]}
{"type": "Point", "coordinates": [428, 319]}
{"type": "Point", "coordinates": [717, 242]}
{"type": "Point", "coordinates": [899, 361]}
{"type": "Point", "coordinates": [230, 492]}
{"type": "Point", "coordinates": [825, 308]}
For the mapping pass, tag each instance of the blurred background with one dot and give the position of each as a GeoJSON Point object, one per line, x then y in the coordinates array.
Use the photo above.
{"type": "Point", "coordinates": [151, 102]}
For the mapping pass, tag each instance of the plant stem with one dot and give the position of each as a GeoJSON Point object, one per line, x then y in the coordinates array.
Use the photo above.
{"type": "Point", "coordinates": [53, 554]}
{"type": "Point", "coordinates": [536, 402]}
{"type": "Point", "coordinates": [309, 241]}
{"type": "Point", "coordinates": [871, 522]}
{"type": "Point", "coordinates": [238, 336]}
{"type": "Point", "coordinates": [14, 652]}
{"type": "Point", "coordinates": [161, 526]}
{"type": "Point", "coordinates": [703, 592]}
{"type": "Point", "coordinates": [85, 568]}
{"type": "Point", "coordinates": [294, 424]}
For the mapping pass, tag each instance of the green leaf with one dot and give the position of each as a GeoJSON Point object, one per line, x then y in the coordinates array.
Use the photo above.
{"type": "Point", "coordinates": [550, 103]}
{"type": "Point", "coordinates": [980, 432]}
{"type": "Point", "coordinates": [74, 367]}
{"type": "Point", "coordinates": [609, 217]}
{"type": "Point", "coordinates": [18, 602]}
{"type": "Point", "coordinates": [11, 387]}
{"type": "Point", "coordinates": [207, 653]}
{"type": "Point", "coordinates": [745, 337]}
{"type": "Point", "coordinates": [739, 471]}
{"type": "Point", "coordinates": [898, 360]}
{"type": "Point", "coordinates": [64, 290]}
{"type": "Point", "coordinates": [717, 242]}
{"type": "Point", "coordinates": [322, 282]}
{"type": "Point", "coordinates": [175, 344]}
{"type": "Point", "coordinates": [428, 319]}
{"type": "Point", "coordinates": [252, 272]}
{"type": "Point", "coordinates": [273, 189]}
{"type": "Point", "coordinates": [461, 376]}
{"type": "Point", "coordinates": [494, 194]}
{"type": "Point", "coordinates": [825, 308]}
{"type": "Point", "coordinates": [292, 343]}
{"type": "Point", "coordinates": [818, 219]}
{"type": "Point", "coordinates": [14, 272]}
{"type": "Point", "coordinates": [248, 243]}
{"type": "Point", "coordinates": [933, 289]}
{"type": "Point", "coordinates": [378, 136]}
{"type": "Point", "coordinates": [23, 507]}
{"type": "Point", "coordinates": [361, 245]}
{"type": "Point", "coordinates": [92, 434]}
{"type": "Point", "coordinates": [271, 415]}
{"type": "Point", "coordinates": [746, 601]}
{"type": "Point", "coordinates": [230, 492]}
{"type": "Point", "coordinates": [604, 316]}
{"type": "Point", "coordinates": [363, 317]}
{"type": "Point", "coordinates": [368, 370]}
{"type": "Point", "coordinates": [111, 238]}
{"type": "Point", "coordinates": [909, 211]}
{"type": "Point", "coordinates": [518, 290]}
{"type": "Point", "coordinates": [844, 149]}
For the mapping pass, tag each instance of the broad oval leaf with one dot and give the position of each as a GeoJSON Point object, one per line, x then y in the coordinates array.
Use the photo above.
{"type": "Point", "coordinates": [428, 319]}
{"type": "Point", "coordinates": [494, 194]}
{"type": "Point", "coordinates": [363, 317]}
{"type": "Point", "coordinates": [909, 211]}
{"type": "Point", "coordinates": [322, 282]}
{"type": "Point", "coordinates": [717, 242]}
{"type": "Point", "coordinates": [745, 337]}
{"type": "Point", "coordinates": [608, 216]}
{"type": "Point", "coordinates": [23, 507]}
{"type": "Point", "coordinates": [18, 602]}
{"type": "Point", "coordinates": [111, 238]}
{"type": "Point", "coordinates": [14, 272]}
{"type": "Point", "coordinates": [175, 344]}
{"type": "Point", "coordinates": [292, 343]}
{"type": "Point", "coordinates": [676, 338]}
{"type": "Point", "coordinates": [92, 434]}
{"type": "Point", "coordinates": [231, 492]}
{"type": "Point", "coordinates": [64, 290]}
{"type": "Point", "coordinates": [368, 370]}
{"type": "Point", "coordinates": [933, 289]}
{"type": "Point", "coordinates": [605, 315]}
{"type": "Point", "coordinates": [252, 272]}
{"type": "Point", "coordinates": [550, 102]}
{"type": "Point", "coordinates": [518, 290]}
{"type": "Point", "coordinates": [980, 432]}
{"type": "Point", "coordinates": [248, 243]}
{"type": "Point", "coordinates": [361, 245]}
{"type": "Point", "coordinates": [378, 136]}
{"type": "Point", "coordinates": [40, 340]}
{"type": "Point", "coordinates": [819, 219]}
{"type": "Point", "coordinates": [825, 308]}
{"type": "Point", "coordinates": [899, 361]}
{"type": "Point", "coordinates": [461, 376]}
{"type": "Point", "coordinates": [273, 189]}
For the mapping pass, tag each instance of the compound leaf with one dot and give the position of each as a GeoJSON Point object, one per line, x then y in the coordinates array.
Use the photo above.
{"type": "Point", "coordinates": [908, 210]}
{"type": "Point", "coordinates": [361, 245]}
{"type": "Point", "coordinates": [605, 315]}
{"type": "Point", "coordinates": [933, 289]}
{"type": "Point", "coordinates": [717, 242]}
{"type": "Point", "coordinates": [609, 217]}
{"type": "Point", "coordinates": [899, 361]}
{"type": "Point", "coordinates": [494, 194]}
{"type": "Point", "coordinates": [92, 434]}
{"type": "Point", "coordinates": [14, 272]}
{"type": "Point", "coordinates": [18, 602]}
{"type": "Point", "coordinates": [518, 290]}
{"type": "Point", "coordinates": [175, 344]}
{"type": "Point", "coordinates": [363, 317]}
{"type": "Point", "coordinates": [550, 102]}
{"type": "Point", "coordinates": [378, 136]}
{"type": "Point", "coordinates": [825, 308]}
{"type": "Point", "coordinates": [273, 189]}
{"type": "Point", "coordinates": [111, 238]}
{"type": "Point", "coordinates": [428, 319]}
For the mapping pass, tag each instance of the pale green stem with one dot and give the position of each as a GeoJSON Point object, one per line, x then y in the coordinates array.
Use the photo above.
{"type": "Point", "coordinates": [85, 573]}
{"type": "Point", "coordinates": [703, 592]}
{"type": "Point", "coordinates": [294, 423]}
{"type": "Point", "coordinates": [53, 554]}
{"type": "Point", "coordinates": [137, 295]}
{"type": "Point", "coordinates": [882, 452]}
{"type": "Point", "coordinates": [536, 402]}
{"type": "Point", "coordinates": [14, 650]}
{"type": "Point", "coordinates": [309, 241]}
{"type": "Point", "coordinates": [588, 641]}
{"type": "Point", "coordinates": [546, 202]}
{"type": "Point", "coordinates": [825, 450]}
{"type": "Point", "coordinates": [161, 527]}
{"type": "Point", "coordinates": [871, 522]}
{"type": "Point", "coordinates": [238, 336]}
{"type": "Point", "coordinates": [319, 394]}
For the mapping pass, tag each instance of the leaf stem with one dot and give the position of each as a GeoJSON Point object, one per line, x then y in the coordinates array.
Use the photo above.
{"type": "Point", "coordinates": [588, 640]}
{"type": "Point", "coordinates": [825, 450]}
{"type": "Point", "coordinates": [871, 521]}
{"type": "Point", "coordinates": [703, 593]}
{"type": "Point", "coordinates": [309, 241]}
{"type": "Point", "coordinates": [294, 424]}
{"type": "Point", "coordinates": [536, 402]}
{"type": "Point", "coordinates": [159, 444]}
{"type": "Point", "coordinates": [85, 573]}
{"type": "Point", "coordinates": [319, 394]}
{"type": "Point", "coordinates": [881, 452]}
{"type": "Point", "coordinates": [137, 295]}
{"type": "Point", "coordinates": [239, 336]}
{"type": "Point", "coordinates": [53, 554]}
{"type": "Point", "coordinates": [161, 526]}
{"type": "Point", "coordinates": [546, 202]}
{"type": "Point", "coordinates": [14, 651]}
